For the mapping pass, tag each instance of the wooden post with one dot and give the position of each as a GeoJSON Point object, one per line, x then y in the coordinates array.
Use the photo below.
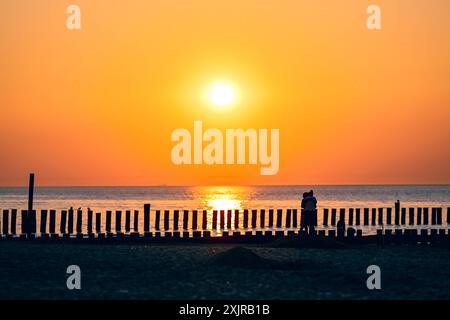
{"type": "Point", "coordinates": [403, 217]}
{"type": "Point", "coordinates": [245, 218]}
{"type": "Point", "coordinates": [5, 221]}
{"type": "Point", "coordinates": [254, 215]}
{"type": "Point", "coordinates": [79, 221]}
{"type": "Point", "coordinates": [136, 220]}
{"type": "Point", "coordinates": [294, 218]}
{"type": "Point", "coordinates": [214, 220]}
{"type": "Point", "coordinates": [288, 218]}
{"type": "Point", "coordinates": [176, 214]}
{"type": "Point", "coordinates": [98, 222]}
{"type": "Point", "coordinates": [229, 214]}
{"type": "Point", "coordinates": [425, 216]}
{"type": "Point", "coordinates": [62, 225]}
{"type": "Point", "coordinates": [43, 228]}
{"type": "Point", "coordinates": [222, 219]}
{"type": "Point", "coordinates": [374, 217]}
{"type": "Point", "coordinates": [30, 201]}
{"type": "Point", "coordinates": [147, 218]}
{"type": "Point", "coordinates": [433, 216]}
{"type": "Point", "coordinates": [118, 221]}
{"type": "Point", "coordinates": [419, 216]}
{"type": "Point", "coordinates": [325, 217]}
{"type": "Point", "coordinates": [127, 221]}
{"type": "Point", "coordinates": [185, 219]}
{"type": "Point", "coordinates": [397, 212]}
{"type": "Point", "coordinates": [89, 221]}
{"type": "Point", "coordinates": [32, 222]}
{"type": "Point", "coordinates": [236, 218]}
{"type": "Point", "coordinates": [13, 221]}
{"type": "Point", "coordinates": [262, 217]}
{"type": "Point", "coordinates": [342, 215]}
{"type": "Point", "coordinates": [108, 221]}
{"type": "Point", "coordinates": [333, 217]}
{"type": "Point", "coordinates": [157, 219]}
{"type": "Point", "coordinates": [439, 216]}
{"type": "Point", "coordinates": [205, 220]}
{"type": "Point", "coordinates": [279, 217]}
{"type": "Point", "coordinates": [70, 222]}
{"type": "Point", "coordinates": [24, 221]}
{"type": "Point", "coordinates": [411, 216]}
{"type": "Point", "coordinates": [350, 216]}
{"type": "Point", "coordinates": [194, 219]}
{"type": "Point", "coordinates": [166, 220]}
{"type": "Point", "coordinates": [270, 218]}
{"type": "Point", "coordinates": [358, 216]}
{"type": "Point", "coordinates": [389, 216]}
{"type": "Point", "coordinates": [380, 216]}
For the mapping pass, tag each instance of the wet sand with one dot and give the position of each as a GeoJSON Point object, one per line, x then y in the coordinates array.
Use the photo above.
{"type": "Point", "coordinates": [38, 271]}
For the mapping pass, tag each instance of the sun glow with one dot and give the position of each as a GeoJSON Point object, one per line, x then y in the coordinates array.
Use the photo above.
{"type": "Point", "coordinates": [221, 94]}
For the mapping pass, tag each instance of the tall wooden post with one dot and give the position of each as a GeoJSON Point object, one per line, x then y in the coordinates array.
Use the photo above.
{"type": "Point", "coordinates": [30, 199]}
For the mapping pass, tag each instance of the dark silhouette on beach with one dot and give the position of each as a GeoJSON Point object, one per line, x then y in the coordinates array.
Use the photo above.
{"type": "Point", "coordinates": [309, 211]}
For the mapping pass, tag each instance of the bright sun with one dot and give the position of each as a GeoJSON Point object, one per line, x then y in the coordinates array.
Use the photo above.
{"type": "Point", "coordinates": [221, 94]}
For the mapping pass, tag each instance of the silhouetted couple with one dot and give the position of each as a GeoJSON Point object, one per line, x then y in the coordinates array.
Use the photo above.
{"type": "Point", "coordinates": [309, 212]}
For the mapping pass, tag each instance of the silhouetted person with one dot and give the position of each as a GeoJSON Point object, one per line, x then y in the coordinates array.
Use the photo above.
{"type": "Point", "coordinates": [341, 228]}
{"type": "Point", "coordinates": [303, 224]}
{"type": "Point", "coordinates": [309, 205]}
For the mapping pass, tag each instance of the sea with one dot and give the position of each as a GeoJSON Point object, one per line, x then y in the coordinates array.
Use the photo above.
{"type": "Point", "coordinates": [101, 199]}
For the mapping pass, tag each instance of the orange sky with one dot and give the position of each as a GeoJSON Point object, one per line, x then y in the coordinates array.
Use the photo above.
{"type": "Point", "coordinates": [97, 106]}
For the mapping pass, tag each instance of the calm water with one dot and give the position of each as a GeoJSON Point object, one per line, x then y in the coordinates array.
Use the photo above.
{"type": "Point", "coordinates": [252, 197]}
{"type": "Point", "coordinates": [222, 198]}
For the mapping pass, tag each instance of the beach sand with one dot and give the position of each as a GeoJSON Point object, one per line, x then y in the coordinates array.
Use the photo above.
{"type": "Point", "coordinates": [221, 271]}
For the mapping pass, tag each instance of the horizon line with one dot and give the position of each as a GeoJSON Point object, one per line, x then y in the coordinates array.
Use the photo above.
{"type": "Point", "coordinates": [228, 185]}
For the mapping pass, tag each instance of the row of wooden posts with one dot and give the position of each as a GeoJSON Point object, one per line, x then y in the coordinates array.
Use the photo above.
{"type": "Point", "coordinates": [221, 219]}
